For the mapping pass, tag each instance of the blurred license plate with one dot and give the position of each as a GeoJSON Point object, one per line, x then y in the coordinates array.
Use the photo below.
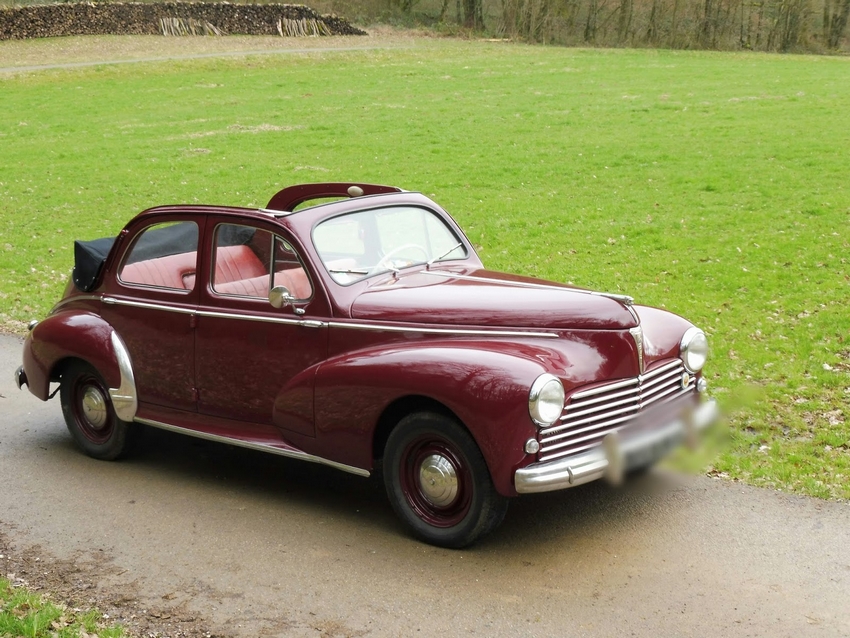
{"type": "Point", "coordinates": [647, 448]}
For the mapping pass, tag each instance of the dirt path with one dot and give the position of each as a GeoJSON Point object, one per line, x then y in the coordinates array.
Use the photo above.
{"type": "Point", "coordinates": [21, 56]}
{"type": "Point", "coordinates": [192, 539]}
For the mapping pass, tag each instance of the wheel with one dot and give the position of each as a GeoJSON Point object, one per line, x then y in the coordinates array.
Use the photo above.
{"type": "Point", "coordinates": [438, 482]}
{"type": "Point", "coordinates": [386, 261]}
{"type": "Point", "coordinates": [90, 416]}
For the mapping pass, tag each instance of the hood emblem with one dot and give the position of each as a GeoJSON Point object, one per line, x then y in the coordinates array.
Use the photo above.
{"type": "Point", "coordinates": [637, 335]}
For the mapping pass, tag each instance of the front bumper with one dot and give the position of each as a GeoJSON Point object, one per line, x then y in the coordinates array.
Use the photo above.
{"type": "Point", "coordinates": [617, 455]}
{"type": "Point", "coordinates": [20, 377]}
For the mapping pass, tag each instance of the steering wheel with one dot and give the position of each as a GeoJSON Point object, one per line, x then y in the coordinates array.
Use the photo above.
{"type": "Point", "coordinates": [385, 261]}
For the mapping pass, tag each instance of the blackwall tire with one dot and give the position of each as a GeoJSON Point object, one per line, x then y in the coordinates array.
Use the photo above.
{"type": "Point", "coordinates": [438, 482]}
{"type": "Point", "coordinates": [90, 416]}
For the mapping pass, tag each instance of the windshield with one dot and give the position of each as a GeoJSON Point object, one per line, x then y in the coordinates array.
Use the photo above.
{"type": "Point", "coordinates": [367, 243]}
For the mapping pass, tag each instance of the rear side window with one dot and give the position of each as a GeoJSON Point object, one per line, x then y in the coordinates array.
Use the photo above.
{"type": "Point", "coordinates": [163, 256]}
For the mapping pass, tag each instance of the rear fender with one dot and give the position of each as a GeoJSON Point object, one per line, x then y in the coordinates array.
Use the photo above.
{"type": "Point", "coordinates": [85, 336]}
{"type": "Point", "coordinates": [484, 384]}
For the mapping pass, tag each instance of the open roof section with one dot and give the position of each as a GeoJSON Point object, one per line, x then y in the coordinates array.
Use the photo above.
{"type": "Point", "coordinates": [288, 199]}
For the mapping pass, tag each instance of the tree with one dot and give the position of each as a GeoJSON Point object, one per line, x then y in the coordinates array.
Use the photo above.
{"type": "Point", "coordinates": [473, 14]}
{"type": "Point", "coordinates": [835, 15]}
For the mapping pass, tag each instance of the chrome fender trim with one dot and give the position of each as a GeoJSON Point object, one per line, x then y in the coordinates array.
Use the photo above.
{"type": "Point", "coordinates": [125, 400]}
{"type": "Point", "coordinates": [606, 461]}
{"type": "Point", "coordinates": [251, 445]}
{"type": "Point", "coordinates": [20, 377]}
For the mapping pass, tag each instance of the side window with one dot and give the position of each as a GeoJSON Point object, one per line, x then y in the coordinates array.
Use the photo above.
{"type": "Point", "coordinates": [244, 256]}
{"type": "Point", "coordinates": [163, 256]}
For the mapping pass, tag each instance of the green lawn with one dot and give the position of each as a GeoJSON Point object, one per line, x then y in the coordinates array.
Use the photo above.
{"type": "Point", "coordinates": [713, 184]}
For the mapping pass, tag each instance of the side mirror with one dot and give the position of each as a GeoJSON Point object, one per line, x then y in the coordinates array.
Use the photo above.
{"type": "Point", "coordinates": [279, 296]}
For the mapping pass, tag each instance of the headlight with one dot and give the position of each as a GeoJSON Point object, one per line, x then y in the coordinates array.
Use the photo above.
{"type": "Point", "coordinates": [546, 399]}
{"type": "Point", "coordinates": [694, 349]}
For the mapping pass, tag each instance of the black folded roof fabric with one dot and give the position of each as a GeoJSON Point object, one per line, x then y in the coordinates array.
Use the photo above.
{"type": "Point", "coordinates": [88, 261]}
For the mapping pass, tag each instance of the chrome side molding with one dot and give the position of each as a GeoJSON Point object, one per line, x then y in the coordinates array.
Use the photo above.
{"type": "Point", "coordinates": [251, 445]}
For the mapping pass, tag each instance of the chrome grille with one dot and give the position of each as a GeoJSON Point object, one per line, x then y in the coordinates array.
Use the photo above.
{"type": "Point", "coordinates": [591, 414]}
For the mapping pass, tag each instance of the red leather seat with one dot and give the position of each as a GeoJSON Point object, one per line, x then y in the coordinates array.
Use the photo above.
{"type": "Point", "coordinates": [233, 263]}
{"type": "Point", "coordinates": [238, 271]}
{"type": "Point", "coordinates": [173, 271]}
{"type": "Point", "coordinates": [295, 280]}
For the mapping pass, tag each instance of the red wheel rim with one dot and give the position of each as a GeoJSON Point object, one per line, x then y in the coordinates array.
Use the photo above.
{"type": "Point", "coordinates": [436, 481]}
{"type": "Point", "coordinates": [92, 411]}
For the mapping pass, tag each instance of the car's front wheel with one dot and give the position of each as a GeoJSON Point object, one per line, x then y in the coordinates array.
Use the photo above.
{"type": "Point", "coordinates": [89, 414]}
{"type": "Point", "coordinates": [438, 482]}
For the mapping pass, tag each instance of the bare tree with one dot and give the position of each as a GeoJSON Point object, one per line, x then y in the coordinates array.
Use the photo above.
{"type": "Point", "coordinates": [835, 15]}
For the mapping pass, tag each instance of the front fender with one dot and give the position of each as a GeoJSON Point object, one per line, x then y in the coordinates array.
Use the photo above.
{"type": "Point", "coordinates": [85, 336]}
{"type": "Point", "coordinates": [485, 384]}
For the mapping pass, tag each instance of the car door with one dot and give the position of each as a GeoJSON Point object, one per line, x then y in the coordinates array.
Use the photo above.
{"type": "Point", "coordinates": [255, 363]}
{"type": "Point", "coordinates": [151, 303]}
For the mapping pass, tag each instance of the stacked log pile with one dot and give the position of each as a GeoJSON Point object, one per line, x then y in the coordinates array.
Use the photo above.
{"type": "Point", "coordinates": [133, 18]}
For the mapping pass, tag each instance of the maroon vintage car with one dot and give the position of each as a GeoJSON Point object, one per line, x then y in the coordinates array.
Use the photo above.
{"type": "Point", "coordinates": [352, 324]}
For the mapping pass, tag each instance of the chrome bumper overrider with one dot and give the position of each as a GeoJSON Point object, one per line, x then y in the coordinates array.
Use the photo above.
{"type": "Point", "coordinates": [20, 377]}
{"type": "Point", "coordinates": [616, 455]}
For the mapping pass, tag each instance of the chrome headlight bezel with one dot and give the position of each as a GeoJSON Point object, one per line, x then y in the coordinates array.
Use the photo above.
{"type": "Point", "coordinates": [693, 349]}
{"type": "Point", "coordinates": [546, 400]}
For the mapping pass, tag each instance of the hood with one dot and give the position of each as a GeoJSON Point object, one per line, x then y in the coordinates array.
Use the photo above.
{"type": "Point", "coordinates": [480, 297]}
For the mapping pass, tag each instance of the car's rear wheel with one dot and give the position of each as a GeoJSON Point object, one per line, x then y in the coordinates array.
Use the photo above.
{"type": "Point", "coordinates": [438, 482]}
{"type": "Point", "coordinates": [90, 416]}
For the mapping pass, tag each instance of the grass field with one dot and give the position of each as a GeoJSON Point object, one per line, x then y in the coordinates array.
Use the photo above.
{"type": "Point", "coordinates": [715, 185]}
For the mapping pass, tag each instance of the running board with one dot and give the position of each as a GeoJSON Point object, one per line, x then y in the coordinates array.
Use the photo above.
{"type": "Point", "coordinates": [279, 449]}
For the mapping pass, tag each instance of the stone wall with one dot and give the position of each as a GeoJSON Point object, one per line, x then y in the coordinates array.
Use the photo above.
{"type": "Point", "coordinates": [50, 20]}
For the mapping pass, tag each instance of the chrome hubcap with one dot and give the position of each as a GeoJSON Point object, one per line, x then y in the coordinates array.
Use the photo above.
{"type": "Point", "coordinates": [438, 480]}
{"type": "Point", "coordinates": [94, 408]}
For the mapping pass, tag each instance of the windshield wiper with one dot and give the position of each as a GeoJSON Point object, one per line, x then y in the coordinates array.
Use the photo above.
{"type": "Point", "coordinates": [445, 254]}
{"type": "Point", "coordinates": [348, 271]}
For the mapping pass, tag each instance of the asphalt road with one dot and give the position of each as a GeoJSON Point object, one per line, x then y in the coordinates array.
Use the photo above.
{"type": "Point", "coordinates": [258, 545]}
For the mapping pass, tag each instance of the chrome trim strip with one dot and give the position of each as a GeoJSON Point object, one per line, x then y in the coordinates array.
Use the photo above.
{"type": "Point", "coordinates": [623, 299]}
{"type": "Point", "coordinates": [275, 213]}
{"type": "Point", "coordinates": [626, 300]}
{"type": "Point", "coordinates": [560, 435]}
{"type": "Point", "coordinates": [261, 447]}
{"type": "Point", "coordinates": [651, 386]}
{"type": "Point", "coordinates": [311, 323]}
{"type": "Point", "coordinates": [124, 397]}
{"type": "Point", "coordinates": [570, 471]}
{"type": "Point", "coordinates": [448, 331]}
{"type": "Point", "coordinates": [234, 315]}
{"type": "Point", "coordinates": [112, 301]}
{"type": "Point", "coordinates": [211, 313]}
{"type": "Point", "coordinates": [611, 416]}
{"type": "Point", "coordinates": [630, 399]}
{"type": "Point", "coordinates": [604, 388]}
{"type": "Point", "coordinates": [637, 335]}
{"type": "Point", "coordinates": [597, 399]}
{"type": "Point", "coordinates": [673, 363]}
